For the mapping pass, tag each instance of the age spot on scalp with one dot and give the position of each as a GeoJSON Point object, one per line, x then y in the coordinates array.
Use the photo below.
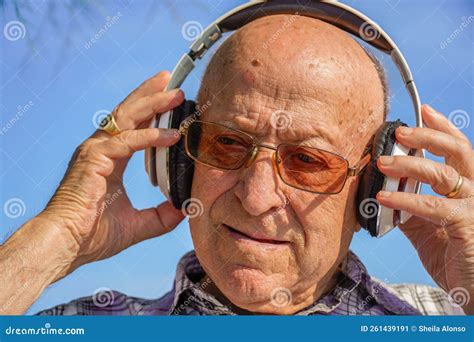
{"type": "Point", "coordinates": [256, 63]}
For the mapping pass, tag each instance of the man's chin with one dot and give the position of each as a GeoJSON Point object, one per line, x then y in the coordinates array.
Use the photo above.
{"type": "Point", "coordinates": [251, 289]}
{"type": "Point", "coordinates": [251, 292]}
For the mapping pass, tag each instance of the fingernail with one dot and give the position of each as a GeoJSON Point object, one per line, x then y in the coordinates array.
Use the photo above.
{"type": "Point", "coordinates": [386, 160]}
{"type": "Point", "coordinates": [171, 133]}
{"type": "Point", "coordinates": [431, 111]}
{"type": "Point", "coordinates": [174, 92]}
{"type": "Point", "coordinates": [404, 130]}
{"type": "Point", "coordinates": [162, 73]}
{"type": "Point", "coordinates": [384, 194]}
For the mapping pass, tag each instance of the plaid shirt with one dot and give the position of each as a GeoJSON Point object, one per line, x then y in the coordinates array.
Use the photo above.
{"type": "Point", "coordinates": [356, 293]}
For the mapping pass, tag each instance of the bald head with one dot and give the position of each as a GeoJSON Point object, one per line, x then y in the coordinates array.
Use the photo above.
{"type": "Point", "coordinates": [302, 56]}
{"type": "Point", "coordinates": [285, 80]}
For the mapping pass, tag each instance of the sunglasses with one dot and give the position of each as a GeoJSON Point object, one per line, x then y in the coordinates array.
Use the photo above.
{"type": "Point", "coordinates": [301, 167]}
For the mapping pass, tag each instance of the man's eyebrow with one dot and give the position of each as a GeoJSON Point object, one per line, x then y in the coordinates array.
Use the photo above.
{"type": "Point", "coordinates": [294, 136]}
{"type": "Point", "coordinates": [316, 134]}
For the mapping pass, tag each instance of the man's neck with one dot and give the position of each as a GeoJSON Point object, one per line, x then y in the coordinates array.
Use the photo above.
{"type": "Point", "coordinates": [318, 292]}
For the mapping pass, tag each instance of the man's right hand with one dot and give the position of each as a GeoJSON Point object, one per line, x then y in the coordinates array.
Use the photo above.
{"type": "Point", "coordinates": [91, 205]}
{"type": "Point", "coordinates": [90, 216]}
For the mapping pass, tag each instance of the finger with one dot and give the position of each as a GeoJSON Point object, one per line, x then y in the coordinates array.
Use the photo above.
{"type": "Point", "coordinates": [153, 222]}
{"type": "Point", "coordinates": [126, 143]}
{"type": "Point", "coordinates": [442, 178]}
{"type": "Point", "coordinates": [457, 152]}
{"type": "Point", "coordinates": [431, 208]}
{"type": "Point", "coordinates": [437, 121]}
{"type": "Point", "coordinates": [130, 115]}
{"type": "Point", "coordinates": [154, 84]}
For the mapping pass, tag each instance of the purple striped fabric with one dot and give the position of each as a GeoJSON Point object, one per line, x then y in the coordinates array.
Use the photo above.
{"type": "Point", "coordinates": [356, 293]}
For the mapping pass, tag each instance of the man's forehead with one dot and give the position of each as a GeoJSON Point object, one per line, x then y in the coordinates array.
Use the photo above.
{"type": "Point", "coordinates": [314, 72]}
{"type": "Point", "coordinates": [281, 126]}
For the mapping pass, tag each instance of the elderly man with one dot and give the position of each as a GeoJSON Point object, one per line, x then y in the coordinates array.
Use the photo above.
{"type": "Point", "coordinates": [261, 246]}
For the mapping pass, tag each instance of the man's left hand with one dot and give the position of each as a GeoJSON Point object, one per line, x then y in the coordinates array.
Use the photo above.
{"type": "Point", "coordinates": [441, 229]}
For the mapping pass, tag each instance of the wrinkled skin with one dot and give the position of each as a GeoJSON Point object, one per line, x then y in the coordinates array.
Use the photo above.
{"type": "Point", "coordinates": [330, 92]}
{"type": "Point", "coordinates": [327, 87]}
{"type": "Point", "coordinates": [324, 86]}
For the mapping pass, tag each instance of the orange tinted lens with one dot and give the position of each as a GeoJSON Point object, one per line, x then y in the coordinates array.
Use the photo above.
{"type": "Point", "coordinates": [217, 145]}
{"type": "Point", "coordinates": [312, 169]}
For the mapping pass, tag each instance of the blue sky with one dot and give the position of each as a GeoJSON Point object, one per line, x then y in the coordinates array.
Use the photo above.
{"type": "Point", "coordinates": [54, 79]}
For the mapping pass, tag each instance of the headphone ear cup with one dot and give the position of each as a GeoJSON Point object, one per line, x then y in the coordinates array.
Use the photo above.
{"type": "Point", "coordinates": [372, 180]}
{"type": "Point", "coordinates": [181, 167]}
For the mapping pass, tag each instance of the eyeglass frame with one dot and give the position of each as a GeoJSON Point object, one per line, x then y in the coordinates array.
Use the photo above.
{"type": "Point", "coordinates": [352, 171]}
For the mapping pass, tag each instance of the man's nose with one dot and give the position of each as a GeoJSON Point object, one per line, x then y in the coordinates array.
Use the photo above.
{"type": "Point", "coordinates": [259, 186]}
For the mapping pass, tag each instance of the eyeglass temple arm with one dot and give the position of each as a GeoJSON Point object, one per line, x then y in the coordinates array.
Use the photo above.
{"type": "Point", "coordinates": [360, 166]}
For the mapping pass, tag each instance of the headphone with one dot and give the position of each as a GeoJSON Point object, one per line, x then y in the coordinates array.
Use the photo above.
{"type": "Point", "coordinates": [172, 170]}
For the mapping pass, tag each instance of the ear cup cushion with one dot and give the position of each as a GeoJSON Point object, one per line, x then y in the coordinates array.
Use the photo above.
{"type": "Point", "coordinates": [181, 167]}
{"type": "Point", "coordinates": [372, 179]}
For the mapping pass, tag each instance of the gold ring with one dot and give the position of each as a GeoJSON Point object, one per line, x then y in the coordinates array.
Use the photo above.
{"type": "Point", "coordinates": [456, 189]}
{"type": "Point", "coordinates": [109, 125]}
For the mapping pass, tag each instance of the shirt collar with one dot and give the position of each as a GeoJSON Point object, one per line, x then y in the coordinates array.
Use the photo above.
{"type": "Point", "coordinates": [190, 294]}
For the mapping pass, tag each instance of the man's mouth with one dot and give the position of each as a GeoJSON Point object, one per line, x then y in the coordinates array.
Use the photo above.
{"type": "Point", "coordinates": [238, 235]}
